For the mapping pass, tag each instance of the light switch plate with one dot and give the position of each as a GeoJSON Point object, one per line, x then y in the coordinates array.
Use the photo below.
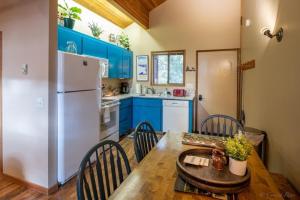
{"type": "Point", "coordinates": [24, 69]}
{"type": "Point", "coordinates": [40, 102]}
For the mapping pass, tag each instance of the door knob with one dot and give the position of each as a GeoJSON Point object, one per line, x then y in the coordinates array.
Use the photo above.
{"type": "Point", "coordinates": [200, 97]}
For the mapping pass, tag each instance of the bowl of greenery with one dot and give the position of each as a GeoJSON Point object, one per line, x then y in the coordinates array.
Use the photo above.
{"type": "Point", "coordinates": [238, 149]}
{"type": "Point", "coordinates": [69, 14]}
{"type": "Point", "coordinates": [124, 41]}
{"type": "Point", "coordinates": [96, 29]}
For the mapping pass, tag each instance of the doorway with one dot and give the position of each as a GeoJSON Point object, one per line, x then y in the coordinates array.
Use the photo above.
{"type": "Point", "coordinates": [217, 78]}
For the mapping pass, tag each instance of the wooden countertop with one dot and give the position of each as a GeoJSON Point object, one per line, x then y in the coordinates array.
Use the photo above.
{"type": "Point", "coordinates": [155, 176]}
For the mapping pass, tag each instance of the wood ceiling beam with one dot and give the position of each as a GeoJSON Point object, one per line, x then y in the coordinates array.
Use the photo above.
{"type": "Point", "coordinates": [135, 9]}
{"type": "Point", "coordinates": [123, 12]}
{"type": "Point", "coordinates": [108, 11]}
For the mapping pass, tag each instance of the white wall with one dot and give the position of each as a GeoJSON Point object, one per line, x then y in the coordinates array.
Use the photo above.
{"type": "Point", "coordinates": [271, 91]}
{"type": "Point", "coordinates": [191, 25]}
{"type": "Point", "coordinates": [87, 17]}
{"type": "Point", "coordinates": [27, 129]}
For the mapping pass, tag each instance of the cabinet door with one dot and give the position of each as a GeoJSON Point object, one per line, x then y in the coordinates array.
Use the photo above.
{"type": "Point", "coordinates": [115, 62]}
{"type": "Point", "coordinates": [150, 114]}
{"type": "Point", "coordinates": [127, 64]}
{"type": "Point", "coordinates": [130, 64]}
{"type": "Point", "coordinates": [125, 120]}
{"type": "Point", "coordinates": [94, 47]}
{"type": "Point", "coordinates": [66, 35]}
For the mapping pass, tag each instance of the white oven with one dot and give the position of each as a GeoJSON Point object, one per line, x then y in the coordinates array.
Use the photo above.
{"type": "Point", "coordinates": [109, 124]}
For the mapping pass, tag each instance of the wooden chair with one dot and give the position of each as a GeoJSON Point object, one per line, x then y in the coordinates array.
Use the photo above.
{"type": "Point", "coordinates": [220, 125]}
{"type": "Point", "coordinates": [144, 140]}
{"type": "Point", "coordinates": [101, 171]}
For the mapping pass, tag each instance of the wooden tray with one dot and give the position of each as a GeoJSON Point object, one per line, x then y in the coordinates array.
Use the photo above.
{"type": "Point", "coordinates": [208, 178]}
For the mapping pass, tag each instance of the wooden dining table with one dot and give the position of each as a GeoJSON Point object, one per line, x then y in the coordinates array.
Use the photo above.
{"type": "Point", "coordinates": [155, 176]}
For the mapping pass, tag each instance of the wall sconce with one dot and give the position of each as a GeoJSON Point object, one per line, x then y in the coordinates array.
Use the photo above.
{"type": "Point", "coordinates": [278, 34]}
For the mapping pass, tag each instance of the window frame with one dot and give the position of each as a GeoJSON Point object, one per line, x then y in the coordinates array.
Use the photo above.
{"type": "Point", "coordinates": [170, 52]}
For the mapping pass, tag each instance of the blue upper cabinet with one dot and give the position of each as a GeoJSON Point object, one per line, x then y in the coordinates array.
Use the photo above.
{"type": "Point", "coordinates": [94, 47]}
{"type": "Point", "coordinates": [120, 59]}
{"type": "Point", "coordinates": [66, 35]}
{"type": "Point", "coordinates": [127, 64]}
{"type": "Point", "coordinates": [115, 61]}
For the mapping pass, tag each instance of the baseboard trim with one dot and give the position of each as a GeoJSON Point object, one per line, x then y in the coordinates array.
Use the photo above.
{"type": "Point", "coordinates": [33, 186]}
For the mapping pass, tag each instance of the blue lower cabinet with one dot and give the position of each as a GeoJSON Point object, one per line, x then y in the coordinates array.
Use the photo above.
{"type": "Point", "coordinates": [125, 116]}
{"type": "Point", "coordinates": [125, 127]}
{"type": "Point", "coordinates": [147, 110]}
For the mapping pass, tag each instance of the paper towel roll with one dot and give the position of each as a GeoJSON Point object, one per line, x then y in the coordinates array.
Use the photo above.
{"type": "Point", "coordinates": [138, 88]}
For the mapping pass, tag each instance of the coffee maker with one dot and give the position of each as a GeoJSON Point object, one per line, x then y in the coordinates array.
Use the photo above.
{"type": "Point", "coordinates": [124, 88]}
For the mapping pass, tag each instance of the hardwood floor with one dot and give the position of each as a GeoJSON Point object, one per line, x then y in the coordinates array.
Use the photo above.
{"type": "Point", "coordinates": [9, 190]}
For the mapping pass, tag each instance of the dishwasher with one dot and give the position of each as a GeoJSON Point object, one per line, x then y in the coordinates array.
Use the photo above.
{"type": "Point", "coordinates": [175, 116]}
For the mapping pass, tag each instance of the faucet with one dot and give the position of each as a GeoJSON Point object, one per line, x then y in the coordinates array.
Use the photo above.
{"type": "Point", "coordinates": [152, 90]}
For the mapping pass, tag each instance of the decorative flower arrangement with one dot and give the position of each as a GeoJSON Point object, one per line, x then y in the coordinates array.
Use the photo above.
{"type": "Point", "coordinates": [96, 29]}
{"type": "Point", "coordinates": [238, 148]}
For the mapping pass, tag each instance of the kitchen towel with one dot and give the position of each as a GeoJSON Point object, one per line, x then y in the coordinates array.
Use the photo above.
{"type": "Point", "coordinates": [106, 115]}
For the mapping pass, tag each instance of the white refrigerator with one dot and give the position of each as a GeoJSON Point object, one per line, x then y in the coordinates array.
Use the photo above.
{"type": "Point", "coordinates": [78, 95]}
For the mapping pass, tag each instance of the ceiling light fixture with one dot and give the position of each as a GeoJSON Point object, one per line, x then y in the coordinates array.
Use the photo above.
{"type": "Point", "coordinates": [278, 34]}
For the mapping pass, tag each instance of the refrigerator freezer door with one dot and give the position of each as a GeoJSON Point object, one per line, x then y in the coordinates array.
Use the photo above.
{"type": "Point", "coordinates": [78, 130]}
{"type": "Point", "coordinates": [77, 72]}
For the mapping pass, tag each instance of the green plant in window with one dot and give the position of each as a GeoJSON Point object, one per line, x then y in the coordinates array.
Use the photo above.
{"type": "Point", "coordinates": [238, 148]}
{"type": "Point", "coordinates": [124, 41]}
{"type": "Point", "coordinates": [96, 29]}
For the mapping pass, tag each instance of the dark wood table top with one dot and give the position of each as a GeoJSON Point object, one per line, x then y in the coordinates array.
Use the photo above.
{"type": "Point", "coordinates": [155, 176]}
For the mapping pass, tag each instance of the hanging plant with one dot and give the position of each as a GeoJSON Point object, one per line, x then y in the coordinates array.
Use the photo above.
{"type": "Point", "coordinates": [124, 41]}
{"type": "Point", "coordinates": [96, 29]}
{"type": "Point", "coordinates": [69, 14]}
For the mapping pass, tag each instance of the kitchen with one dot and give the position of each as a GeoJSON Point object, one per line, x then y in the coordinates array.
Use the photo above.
{"type": "Point", "coordinates": [169, 65]}
{"type": "Point", "coordinates": [117, 83]}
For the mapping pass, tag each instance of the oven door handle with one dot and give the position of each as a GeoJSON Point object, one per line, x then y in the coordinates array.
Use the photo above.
{"type": "Point", "coordinates": [112, 105]}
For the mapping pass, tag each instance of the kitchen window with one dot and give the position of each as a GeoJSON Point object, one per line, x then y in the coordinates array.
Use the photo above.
{"type": "Point", "coordinates": [168, 67]}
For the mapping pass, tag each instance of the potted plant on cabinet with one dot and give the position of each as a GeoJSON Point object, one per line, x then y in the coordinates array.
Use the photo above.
{"type": "Point", "coordinates": [238, 149]}
{"type": "Point", "coordinates": [70, 14]}
{"type": "Point", "coordinates": [124, 41]}
{"type": "Point", "coordinates": [96, 29]}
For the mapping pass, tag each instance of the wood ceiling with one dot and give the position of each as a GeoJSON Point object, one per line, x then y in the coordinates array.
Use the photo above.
{"type": "Point", "coordinates": [107, 10]}
{"type": "Point", "coordinates": [123, 12]}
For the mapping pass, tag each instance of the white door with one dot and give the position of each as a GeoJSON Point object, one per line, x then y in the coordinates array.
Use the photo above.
{"type": "Point", "coordinates": [77, 72]}
{"type": "Point", "coordinates": [217, 84]}
{"type": "Point", "coordinates": [78, 129]}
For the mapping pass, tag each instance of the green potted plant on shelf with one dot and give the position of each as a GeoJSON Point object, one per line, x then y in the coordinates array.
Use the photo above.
{"type": "Point", "coordinates": [70, 14]}
{"type": "Point", "coordinates": [238, 149]}
{"type": "Point", "coordinates": [96, 29]}
{"type": "Point", "coordinates": [124, 41]}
